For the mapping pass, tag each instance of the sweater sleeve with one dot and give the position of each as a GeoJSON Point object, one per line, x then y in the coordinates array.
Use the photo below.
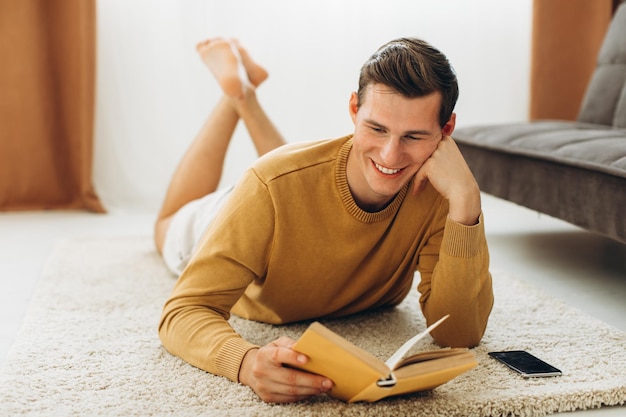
{"type": "Point", "coordinates": [455, 280]}
{"type": "Point", "coordinates": [194, 322]}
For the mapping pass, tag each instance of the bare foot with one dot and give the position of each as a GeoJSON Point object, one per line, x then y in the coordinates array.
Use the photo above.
{"type": "Point", "coordinates": [256, 73]}
{"type": "Point", "coordinates": [231, 65]}
{"type": "Point", "coordinates": [223, 60]}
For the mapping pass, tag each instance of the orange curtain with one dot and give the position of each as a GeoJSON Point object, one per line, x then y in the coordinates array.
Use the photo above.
{"type": "Point", "coordinates": [47, 89]}
{"type": "Point", "coordinates": [566, 38]}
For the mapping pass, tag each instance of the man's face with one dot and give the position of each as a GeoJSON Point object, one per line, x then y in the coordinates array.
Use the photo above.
{"type": "Point", "coordinates": [393, 137]}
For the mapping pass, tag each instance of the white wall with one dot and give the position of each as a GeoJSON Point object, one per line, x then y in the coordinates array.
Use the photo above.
{"type": "Point", "coordinates": [153, 92]}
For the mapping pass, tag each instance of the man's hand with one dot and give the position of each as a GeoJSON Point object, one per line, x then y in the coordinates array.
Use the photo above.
{"type": "Point", "coordinates": [448, 172]}
{"type": "Point", "coordinates": [266, 371]}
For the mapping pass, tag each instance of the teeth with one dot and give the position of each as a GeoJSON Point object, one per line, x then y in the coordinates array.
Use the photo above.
{"type": "Point", "coordinates": [385, 170]}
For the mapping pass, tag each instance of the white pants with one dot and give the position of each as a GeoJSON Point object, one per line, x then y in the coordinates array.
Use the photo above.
{"type": "Point", "coordinates": [187, 227]}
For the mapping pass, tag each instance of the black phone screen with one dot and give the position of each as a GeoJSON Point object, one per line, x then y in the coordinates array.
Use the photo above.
{"type": "Point", "coordinates": [525, 363]}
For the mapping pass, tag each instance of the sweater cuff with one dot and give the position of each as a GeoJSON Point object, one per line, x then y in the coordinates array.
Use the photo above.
{"type": "Point", "coordinates": [230, 356]}
{"type": "Point", "coordinates": [463, 241]}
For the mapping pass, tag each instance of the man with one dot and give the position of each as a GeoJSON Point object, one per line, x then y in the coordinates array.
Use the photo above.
{"type": "Point", "coordinates": [324, 229]}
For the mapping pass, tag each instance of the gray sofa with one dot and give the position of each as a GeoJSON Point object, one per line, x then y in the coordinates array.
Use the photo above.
{"type": "Point", "coordinates": [572, 170]}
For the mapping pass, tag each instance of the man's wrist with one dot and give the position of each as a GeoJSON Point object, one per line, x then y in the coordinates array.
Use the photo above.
{"type": "Point", "coordinates": [467, 212]}
{"type": "Point", "coordinates": [464, 206]}
{"type": "Point", "coordinates": [246, 366]}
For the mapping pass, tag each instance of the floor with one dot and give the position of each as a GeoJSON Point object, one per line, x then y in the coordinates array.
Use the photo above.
{"type": "Point", "coordinates": [584, 269]}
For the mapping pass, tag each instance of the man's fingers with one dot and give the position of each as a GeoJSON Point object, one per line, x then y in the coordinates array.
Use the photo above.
{"type": "Point", "coordinates": [419, 185]}
{"type": "Point", "coordinates": [283, 341]}
{"type": "Point", "coordinates": [289, 385]}
{"type": "Point", "coordinates": [286, 355]}
{"type": "Point", "coordinates": [420, 180]}
{"type": "Point", "coordinates": [296, 378]}
{"type": "Point", "coordinates": [296, 382]}
{"type": "Point", "coordinates": [276, 376]}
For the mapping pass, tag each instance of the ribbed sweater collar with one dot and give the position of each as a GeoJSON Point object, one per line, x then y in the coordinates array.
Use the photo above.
{"type": "Point", "coordinates": [341, 177]}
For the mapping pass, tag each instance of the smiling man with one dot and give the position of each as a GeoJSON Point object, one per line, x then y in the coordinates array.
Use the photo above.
{"type": "Point", "coordinates": [323, 229]}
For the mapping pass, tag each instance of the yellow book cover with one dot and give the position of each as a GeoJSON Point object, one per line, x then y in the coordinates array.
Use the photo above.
{"type": "Point", "coordinates": [360, 376]}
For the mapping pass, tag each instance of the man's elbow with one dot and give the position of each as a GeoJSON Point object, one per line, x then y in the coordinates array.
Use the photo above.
{"type": "Point", "coordinates": [165, 330]}
{"type": "Point", "coordinates": [459, 333]}
{"type": "Point", "coordinates": [461, 339]}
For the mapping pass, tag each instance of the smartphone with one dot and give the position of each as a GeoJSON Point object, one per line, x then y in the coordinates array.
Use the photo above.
{"type": "Point", "coordinates": [525, 363]}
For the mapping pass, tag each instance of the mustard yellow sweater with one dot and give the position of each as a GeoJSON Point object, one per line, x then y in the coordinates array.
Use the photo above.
{"type": "Point", "coordinates": [291, 244]}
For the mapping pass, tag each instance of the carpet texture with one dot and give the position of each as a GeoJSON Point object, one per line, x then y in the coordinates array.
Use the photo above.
{"type": "Point", "coordinates": [89, 346]}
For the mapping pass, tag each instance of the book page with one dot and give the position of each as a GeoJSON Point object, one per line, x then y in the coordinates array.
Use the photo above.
{"type": "Point", "coordinates": [429, 355]}
{"type": "Point", "coordinates": [397, 357]}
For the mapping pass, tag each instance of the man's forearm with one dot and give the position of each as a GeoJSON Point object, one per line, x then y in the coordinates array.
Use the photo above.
{"type": "Point", "coordinates": [460, 286]}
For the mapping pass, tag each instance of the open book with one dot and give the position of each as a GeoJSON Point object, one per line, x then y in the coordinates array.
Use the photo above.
{"type": "Point", "coordinates": [360, 376]}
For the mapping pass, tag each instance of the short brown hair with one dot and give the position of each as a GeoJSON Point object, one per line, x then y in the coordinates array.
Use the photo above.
{"type": "Point", "coordinates": [414, 68]}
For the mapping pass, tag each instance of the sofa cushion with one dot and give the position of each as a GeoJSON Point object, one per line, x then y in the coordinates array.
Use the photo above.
{"type": "Point", "coordinates": [584, 145]}
{"type": "Point", "coordinates": [605, 97]}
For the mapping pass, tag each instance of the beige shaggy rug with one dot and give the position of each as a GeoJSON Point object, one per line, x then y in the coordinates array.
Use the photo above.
{"type": "Point", "coordinates": [89, 347]}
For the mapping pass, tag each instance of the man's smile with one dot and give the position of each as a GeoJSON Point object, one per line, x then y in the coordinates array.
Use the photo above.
{"type": "Point", "coordinates": [385, 170]}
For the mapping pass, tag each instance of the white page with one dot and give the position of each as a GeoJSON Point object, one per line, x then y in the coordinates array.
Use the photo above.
{"type": "Point", "coordinates": [397, 357]}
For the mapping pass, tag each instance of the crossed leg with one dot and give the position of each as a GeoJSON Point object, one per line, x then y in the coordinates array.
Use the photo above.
{"type": "Point", "coordinates": [200, 170]}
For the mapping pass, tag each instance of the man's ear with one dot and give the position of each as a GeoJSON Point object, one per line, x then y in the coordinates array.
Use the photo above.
{"type": "Point", "coordinates": [353, 106]}
{"type": "Point", "coordinates": [448, 128]}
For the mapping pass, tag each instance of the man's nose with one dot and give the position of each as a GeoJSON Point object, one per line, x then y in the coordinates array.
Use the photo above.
{"type": "Point", "coordinates": [391, 152]}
